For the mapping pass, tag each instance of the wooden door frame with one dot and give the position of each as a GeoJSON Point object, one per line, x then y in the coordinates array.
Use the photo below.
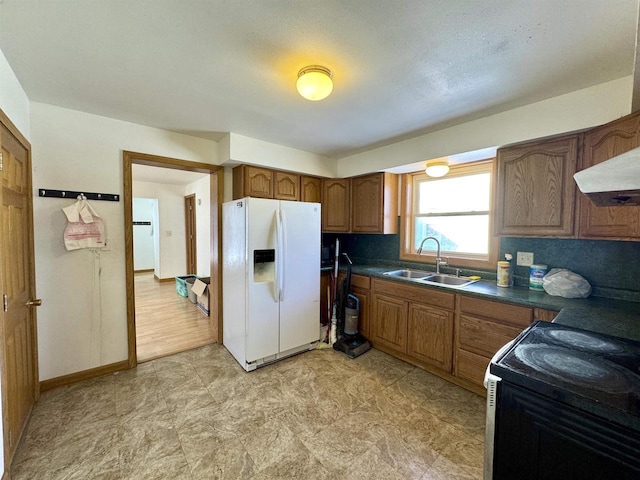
{"type": "Point", "coordinates": [216, 174]}
{"type": "Point", "coordinates": [9, 125]}
{"type": "Point", "coordinates": [192, 243]}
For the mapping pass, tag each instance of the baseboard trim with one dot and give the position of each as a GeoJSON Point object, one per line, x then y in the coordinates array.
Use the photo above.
{"type": "Point", "coordinates": [83, 375]}
{"type": "Point", "coordinates": [164, 280]}
{"type": "Point", "coordinates": [148, 270]}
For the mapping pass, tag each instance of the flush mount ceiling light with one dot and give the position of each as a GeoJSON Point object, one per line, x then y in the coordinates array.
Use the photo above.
{"type": "Point", "coordinates": [314, 82]}
{"type": "Point", "coordinates": [437, 167]}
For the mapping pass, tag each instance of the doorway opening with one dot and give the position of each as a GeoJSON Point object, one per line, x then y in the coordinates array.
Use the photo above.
{"type": "Point", "coordinates": [155, 311]}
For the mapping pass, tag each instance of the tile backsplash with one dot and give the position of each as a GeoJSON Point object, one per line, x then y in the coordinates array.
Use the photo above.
{"type": "Point", "coordinates": [612, 268]}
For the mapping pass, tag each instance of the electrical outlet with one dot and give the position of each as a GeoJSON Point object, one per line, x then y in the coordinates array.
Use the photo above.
{"type": "Point", "coordinates": [525, 259]}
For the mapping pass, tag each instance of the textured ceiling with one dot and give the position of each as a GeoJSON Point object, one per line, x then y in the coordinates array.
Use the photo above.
{"type": "Point", "coordinates": [401, 67]}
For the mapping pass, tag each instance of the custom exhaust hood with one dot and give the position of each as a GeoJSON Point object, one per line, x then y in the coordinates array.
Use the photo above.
{"type": "Point", "coordinates": [613, 182]}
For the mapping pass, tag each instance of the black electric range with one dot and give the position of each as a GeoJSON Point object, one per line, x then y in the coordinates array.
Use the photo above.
{"type": "Point", "coordinates": [566, 404]}
{"type": "Point", "coordinates": [590, 371]}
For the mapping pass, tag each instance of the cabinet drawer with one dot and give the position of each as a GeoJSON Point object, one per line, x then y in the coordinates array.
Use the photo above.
{"type": "Point", "coordinates": [415, 293]}
{"type": "Point", "coordinates": [484, 337]}
{"type": "Point", "coordinates": [512, 314]}
{"type": "Point", "coordinates": [360, 281]}
{"type": "Point", "coordinates": [471, 366]}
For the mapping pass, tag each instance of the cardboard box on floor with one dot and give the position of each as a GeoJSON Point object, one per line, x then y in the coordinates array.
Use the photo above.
{"type": "Point", "coordinates": [201, 289]}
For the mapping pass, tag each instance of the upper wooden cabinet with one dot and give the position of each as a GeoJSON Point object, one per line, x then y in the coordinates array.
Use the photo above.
{"type": "Point", "coordinates": [535, 194]}
{"type": "Point", "coordinates": [286, 186]}
{"type": "Point", "coordinates": [335, 204]}
{"type": "Point", "coordinates": [374, 203]}
{"type": "Point", "coordinates": [251, 181]}
{"type": "Point", "coordinates": [310, 189]}
{"type": "Point", "coordinates": [366, 204]}
{"type": "Point", "coordinates": [600, 144]}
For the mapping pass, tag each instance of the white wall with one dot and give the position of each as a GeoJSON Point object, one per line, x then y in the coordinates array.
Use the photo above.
{"type": "Point", "coordinates": [15, 104]}
{"type": "Point", "coordinates": [257, 152]}
{"type": "Point", "coordinates": [13, 99]}
{"type": "Point", "coordinates": [80, 151]}
{"type": "Point", "coordinates": [143, 235]}
{"type": "Point", "coordinates": [576, 110]}
{"type": "Point", "coordinates": [171, 226]}
{"type": "Point", "coordinates": [202, 189]}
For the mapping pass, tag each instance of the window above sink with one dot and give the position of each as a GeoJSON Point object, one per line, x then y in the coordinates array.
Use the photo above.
{"type": "Point", "coordinates": [457, 210]}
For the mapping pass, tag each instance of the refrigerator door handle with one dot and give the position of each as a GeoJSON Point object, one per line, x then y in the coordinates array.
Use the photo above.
{"type": "Point", "coordinates": [276, 283]}
{"type": "Point", "coordinates": [283, 255]}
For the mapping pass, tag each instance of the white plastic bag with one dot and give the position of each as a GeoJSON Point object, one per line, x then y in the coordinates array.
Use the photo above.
{"type": "Point", "coordinates": [561, 282]}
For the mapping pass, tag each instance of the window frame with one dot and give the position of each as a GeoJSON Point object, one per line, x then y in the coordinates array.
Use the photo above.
{"type": "Point", "coordinates": [407, 220]}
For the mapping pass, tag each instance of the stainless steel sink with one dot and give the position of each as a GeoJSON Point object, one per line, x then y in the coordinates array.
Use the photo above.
{"type": "Point", "coordinates": [422, 276]}
{"type": "Point", "coordinates": [443, 279]}
{"type": "Point", "coordinates": [411, 274]}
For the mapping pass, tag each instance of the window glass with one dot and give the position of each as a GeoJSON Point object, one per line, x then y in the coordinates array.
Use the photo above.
{"type": "Point", "coordinates": [464, 233]}
{"type": "Point", "coordinates": [457, 194]}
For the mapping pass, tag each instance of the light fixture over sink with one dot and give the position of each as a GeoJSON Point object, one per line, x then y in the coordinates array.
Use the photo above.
{"type": "Point", "coordinates": [437, 168]}
{"type": "Point", "coordinates": [315, 82]}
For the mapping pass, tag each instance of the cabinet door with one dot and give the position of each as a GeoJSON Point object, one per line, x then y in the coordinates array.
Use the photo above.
{"type": "Point", "coordinates": [600, 144]}
{"type": "Point", "coordinates": [366, 204]}
{"type": "Point", "coordinates": [363, 297]}
{"type": "Point", "coordinates": [251, 181]}
{"type": "Point", "coordinates": [286, 186]}
{"type": "Point", "coordinates": [374, 203]}
{"type": "Point", "coordinates": [310, 189]}
{"type": "Point", "coordinates": [335, 205]}
{"type": "Point", "coordinates": [430, 337]}
{"type": "Point", "coordinates": [535, 188]}
{"type": "Point", "coordinates": [389, 319]}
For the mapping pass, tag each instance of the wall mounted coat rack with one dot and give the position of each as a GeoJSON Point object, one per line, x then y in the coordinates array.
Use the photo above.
{"type": "Point", "coordinates": [109, 197]}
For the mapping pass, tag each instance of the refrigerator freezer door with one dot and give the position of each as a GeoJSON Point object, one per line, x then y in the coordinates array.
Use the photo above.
{"type": "Point", "coordinates": [262, 305]}
{"type": "Point", "coordinates": [300, 309]}
{"type": "Point", "coordinates": [234, 277]}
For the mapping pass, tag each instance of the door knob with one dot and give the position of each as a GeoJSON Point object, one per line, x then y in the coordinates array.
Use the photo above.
{"type": "Point", "coordinates": [34, 303]}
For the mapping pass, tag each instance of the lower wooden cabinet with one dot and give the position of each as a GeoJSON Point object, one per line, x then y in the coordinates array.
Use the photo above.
{"type": "Point", "coordinates": [414, 322]}
{"type": "Point", "coordinates": [431, 335]}
{"type": "Point", "coordinates": [361, 289]}
{"type": "Point", "coordinates": [390, 322]}
{"type": "Point", "coordinates": [483, 326]}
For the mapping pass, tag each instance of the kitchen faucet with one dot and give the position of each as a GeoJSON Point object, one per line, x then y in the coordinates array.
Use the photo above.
{"type": "Point", "coordinates": [438, 258]}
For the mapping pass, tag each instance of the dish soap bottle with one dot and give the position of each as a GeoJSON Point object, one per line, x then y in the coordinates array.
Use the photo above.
{"type": "Point", "coordinates": [504, 273]}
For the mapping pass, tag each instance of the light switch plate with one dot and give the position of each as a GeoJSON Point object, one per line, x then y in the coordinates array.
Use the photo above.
{"type": "Point", "coordinates": [525, 259]}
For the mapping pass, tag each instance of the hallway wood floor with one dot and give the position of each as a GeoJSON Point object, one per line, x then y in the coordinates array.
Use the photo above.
{"type": "Point", "coordinates": [166, 323]}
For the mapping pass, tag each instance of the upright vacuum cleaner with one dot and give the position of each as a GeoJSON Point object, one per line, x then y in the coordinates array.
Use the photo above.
{"type": "Point", "coordinates": [349, 341]}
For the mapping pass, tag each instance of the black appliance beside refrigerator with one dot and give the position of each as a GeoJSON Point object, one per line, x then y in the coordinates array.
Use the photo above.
{"type": "Point", "coordinates": [564, 403]}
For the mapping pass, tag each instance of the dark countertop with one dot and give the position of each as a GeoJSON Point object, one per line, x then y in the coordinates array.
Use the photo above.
{"type": "Point", "coordinates": [602, 320]}
{"type": "Point", "coordinates": [609, 316]}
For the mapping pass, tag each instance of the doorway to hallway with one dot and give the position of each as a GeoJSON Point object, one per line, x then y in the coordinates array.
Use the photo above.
{"type": "Point", "coordinates": [166, 323]}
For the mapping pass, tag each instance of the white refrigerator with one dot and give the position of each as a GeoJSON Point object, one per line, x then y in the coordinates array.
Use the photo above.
{"type": "Point", "coordinates": [270, 279]}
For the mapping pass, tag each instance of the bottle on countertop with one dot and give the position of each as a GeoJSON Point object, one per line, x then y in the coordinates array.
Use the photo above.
{"type": "Point", "coordinates": [536, 274]}
{"type": "Point", "coordinates": [504, 272]}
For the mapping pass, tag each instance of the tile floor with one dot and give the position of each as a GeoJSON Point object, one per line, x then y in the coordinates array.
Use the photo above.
{"type": "Point", "coordinates": [198, 415]}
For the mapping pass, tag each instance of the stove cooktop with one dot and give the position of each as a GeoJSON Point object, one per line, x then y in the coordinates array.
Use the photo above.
{"type": "Point", "coordinates": [590, 371]}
